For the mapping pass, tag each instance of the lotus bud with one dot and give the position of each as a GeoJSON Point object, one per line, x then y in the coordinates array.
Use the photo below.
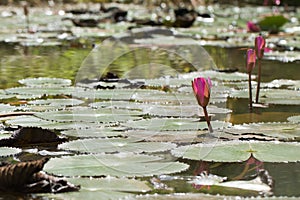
{"type": "Point", "coordinates": [260, 43]}
{"type": "Point", "coordinates": [201, 87]}
{"type": "Point", "coordinates": [250, 60]}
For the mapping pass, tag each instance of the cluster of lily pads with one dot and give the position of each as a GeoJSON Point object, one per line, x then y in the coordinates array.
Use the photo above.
{"type": "Point", "coordinates": [127, 134]}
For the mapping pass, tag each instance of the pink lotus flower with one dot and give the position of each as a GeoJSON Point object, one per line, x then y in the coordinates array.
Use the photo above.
{"type": "Point", "coordinates": [250, 60]}
{"type": "Point", "coordinates": [201, 87]}
{"type": "Point", "coordinates": [260, 44]}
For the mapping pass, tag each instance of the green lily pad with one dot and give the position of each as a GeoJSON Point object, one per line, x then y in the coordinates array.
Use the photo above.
{"type": "Point", "coordinates": [161, 110]}
{"type": "Point", "coordinates": [57, 102]}
{"type": "Point", "coordinates": [9, 151]}
{"type": "Point", "coordinates": [236, 151]}
{"type": "Point", "coordinates": [130, 105]}
{"type": "Point", "coordinates": [115, 94]}
{"type": "Point", "coordinates": [94, 132]}
{"type": "Point", "coordinates": [294, 119]}
{"type": "Point", "coordinates": [4, 95]}
{"type": "Point", "coordinates": [281, 131]}
{"type": "Point", "coordinates": [45, 82]}
{"type": "Point", "coordinates": [268, 94]}
{"type": "Point", "coordinates": [41, 91]}
{"type": "Point", "coordinates": [272, 23]}
{"type": "Point", "coordinates": [32, 121]}
{"type": "Point", "coordinates": [5, 108]}
{"type": "Point", "coordinates": [111, 145]}
{"type": "Point", "coordinates": [90, 115]}
{"type": "Point", "coordinates": [121, 164]}
{"type": "Point", "coordinates": [103, 188]}
{"type": "Point", "coordinates": [182, 137]}
{"type": "Point", "coordinates": [173, 124]}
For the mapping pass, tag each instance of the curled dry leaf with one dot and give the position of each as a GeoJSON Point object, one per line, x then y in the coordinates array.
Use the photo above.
{"type": "Point", "coordinates": [26, 177]}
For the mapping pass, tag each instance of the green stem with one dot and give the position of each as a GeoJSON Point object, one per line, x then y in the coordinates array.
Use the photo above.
{"type": "Point", "coordinates": [250, 92]}
{"type": "Point", "coordinates": [207, 120]}
{"type": "Point", "coordinates": [258, 80]}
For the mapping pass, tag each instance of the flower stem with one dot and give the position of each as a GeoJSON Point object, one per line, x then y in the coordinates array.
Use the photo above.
{"type": "Point", "coordinates": [207, 120]}
{"type": "Point", "coordinates": [258, 80]}
{"type": "Point", "coordinates": [250, 92]}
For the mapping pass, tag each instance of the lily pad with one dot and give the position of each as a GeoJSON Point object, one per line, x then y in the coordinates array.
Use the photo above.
{"type": "Point", "coordinates": [90, 115]}
{"type": "Point", "coordinates": [57, 102]}
{"type": "Point", "coordinates": [268, 94]}
{"type": "Point", "coordinates": [115, 94]}
{"type": "Point", "coordinates": [111, 145]}
{"type": "Point", "coordinates": [281, 131]}
{"type": "Point", "coordinates": [121, 164]}
{"type": "Point", "coordinates": [294, 119]}
{"type": "Point", "coordinates": [173, 124]}
{"type": "Point", "coordinates": [4, 95]}
{"type": "Point", "coordinates": [41, 91]}
{"type": "Point", "coordinates": [103, 188]}
{"type": "Point", "coordinates": [272, 23]}
{"type": "Point", "coordinates": [5, 108]}
{"type": "Point", "coordinates": [236, 151]}
{"type": "Point", "coordinates": [9, 151]}
{"type": "Point", "coordinates": [94, 132]}
{"type": "Point", "coordinates": [45, 82]}
{"type": "Point", "coordinates": [182, 137]}
{"type": "Point", "coordinates": [32, 121]}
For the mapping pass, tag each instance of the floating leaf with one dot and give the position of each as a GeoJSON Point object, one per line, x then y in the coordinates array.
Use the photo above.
{"type": "Point", "coordinates": [121, 164]}
{"type": "Point", "coordinates": [103, 188]}
{"type": "Point", "coordinates": [40, 91]}
{"type": "Point", "coordinates": [4, 95]}
{"type": "Point", "coordinates": [32, 121]}
{"type": "Point", "coordinates": [56, 102]}
{"type": "Point", "coordinates": [272, 23]}
{"type": "Point", "coordinates": [5, 108]}
{"type": "Point", "coordinates": [294, 119]}
{"type": "Point", "coordinates": [236, 151]}
{"type": "Point", "coordinates": [282, 131]}
{"type": "Point", "coordinates": [268, 94]}
{"type": "Point", "coordinates": [130, 105]}
{"type": "Point", "coordinates": [182, 196]}
{"type": "Point", "coordinates": [170, 124]}
{"type": "Point", "coordinates": [90, 115]}
{"type": "Point", "coordinates": [45, 82]}
{"type": "Point", "coordinates": [162, 110]}
{"type": "Point", "coordinates": [94, 132]}
{"type": "Point", "coordinates": [111, 145]}
{"type": "Point", "coordinates": [9, 151]}
{"type": "Point", "coordinates": [195, 136]}
{"type": "Point", "coordinates": [115, 94]}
